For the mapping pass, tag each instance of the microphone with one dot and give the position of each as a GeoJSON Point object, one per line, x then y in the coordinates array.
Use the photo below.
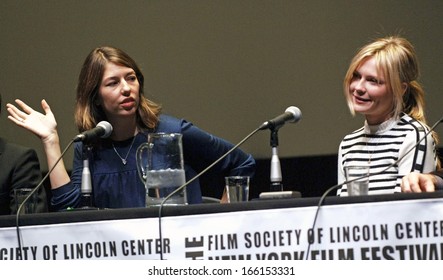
{"type": "Point", "coordinates": [160, 209]}
{"type": "Point", "coordinates": [335, 187]}
{"type": "Point", "coordinates": [291, 114]}
{"type": "Point", "coordinates": [102, 130]}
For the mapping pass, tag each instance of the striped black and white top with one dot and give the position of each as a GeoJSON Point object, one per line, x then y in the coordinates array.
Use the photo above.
{"type": "Point", "coordinates": [381, 146]}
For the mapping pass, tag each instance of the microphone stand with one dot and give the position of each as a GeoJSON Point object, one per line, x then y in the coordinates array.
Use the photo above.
{"type": "Point", "coordinates": [17, 217]}
{"type": "Point", "coordinates": [160, 209]}
{"type": "Point", "coordinates": [86, 187]}
{"type": "Point", "coordinates": [86, 202]}
{"type": "Point", "coordinates": [275, 177]}
{"type": "Point", "coordinates": [273, 125]}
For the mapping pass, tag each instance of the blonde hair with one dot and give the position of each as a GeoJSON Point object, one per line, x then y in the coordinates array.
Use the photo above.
{"type": "Point", "coordinates": [396, 58]}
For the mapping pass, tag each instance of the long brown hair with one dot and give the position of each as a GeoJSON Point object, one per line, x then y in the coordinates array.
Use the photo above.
{"type": "Point", "coordinates": [87, 112]}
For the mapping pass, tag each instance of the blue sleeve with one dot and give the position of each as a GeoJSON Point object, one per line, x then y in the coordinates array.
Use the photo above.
{"type": "Point", "coordinates": [69, 195]}
{"type": "Point", "coordinates": [201, 149]}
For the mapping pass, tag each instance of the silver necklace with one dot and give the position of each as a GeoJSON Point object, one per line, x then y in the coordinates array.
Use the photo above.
{"type": "Point", "coordinates": [372, 143]}
{"type": "Point", "coordinates": [127, 154]}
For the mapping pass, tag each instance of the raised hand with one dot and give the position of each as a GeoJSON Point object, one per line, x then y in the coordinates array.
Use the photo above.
{"type": "Point", "coordinates": [42, 125]}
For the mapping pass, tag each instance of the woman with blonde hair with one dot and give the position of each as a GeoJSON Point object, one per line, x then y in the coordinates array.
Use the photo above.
{"type": "Point", "coordinates": [382, 84]}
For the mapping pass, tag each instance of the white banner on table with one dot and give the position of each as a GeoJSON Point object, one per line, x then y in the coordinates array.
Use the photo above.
{"type": "Point", "coordinates": [409, 229]}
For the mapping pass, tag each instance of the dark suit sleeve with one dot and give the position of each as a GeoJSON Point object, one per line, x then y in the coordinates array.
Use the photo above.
{"type": "Point", "coordinates": [27, 174]}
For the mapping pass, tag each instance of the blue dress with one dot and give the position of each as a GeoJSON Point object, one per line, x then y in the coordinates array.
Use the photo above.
{"type": "Point", "coordinates": [116, 185]}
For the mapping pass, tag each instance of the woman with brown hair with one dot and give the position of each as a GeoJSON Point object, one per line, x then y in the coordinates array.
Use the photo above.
{"type": "Point", "coordinates": [110, 88]}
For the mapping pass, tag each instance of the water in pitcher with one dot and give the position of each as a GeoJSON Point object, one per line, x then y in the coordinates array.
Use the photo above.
{"type": "Point", "coordinates": [160, 183]}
